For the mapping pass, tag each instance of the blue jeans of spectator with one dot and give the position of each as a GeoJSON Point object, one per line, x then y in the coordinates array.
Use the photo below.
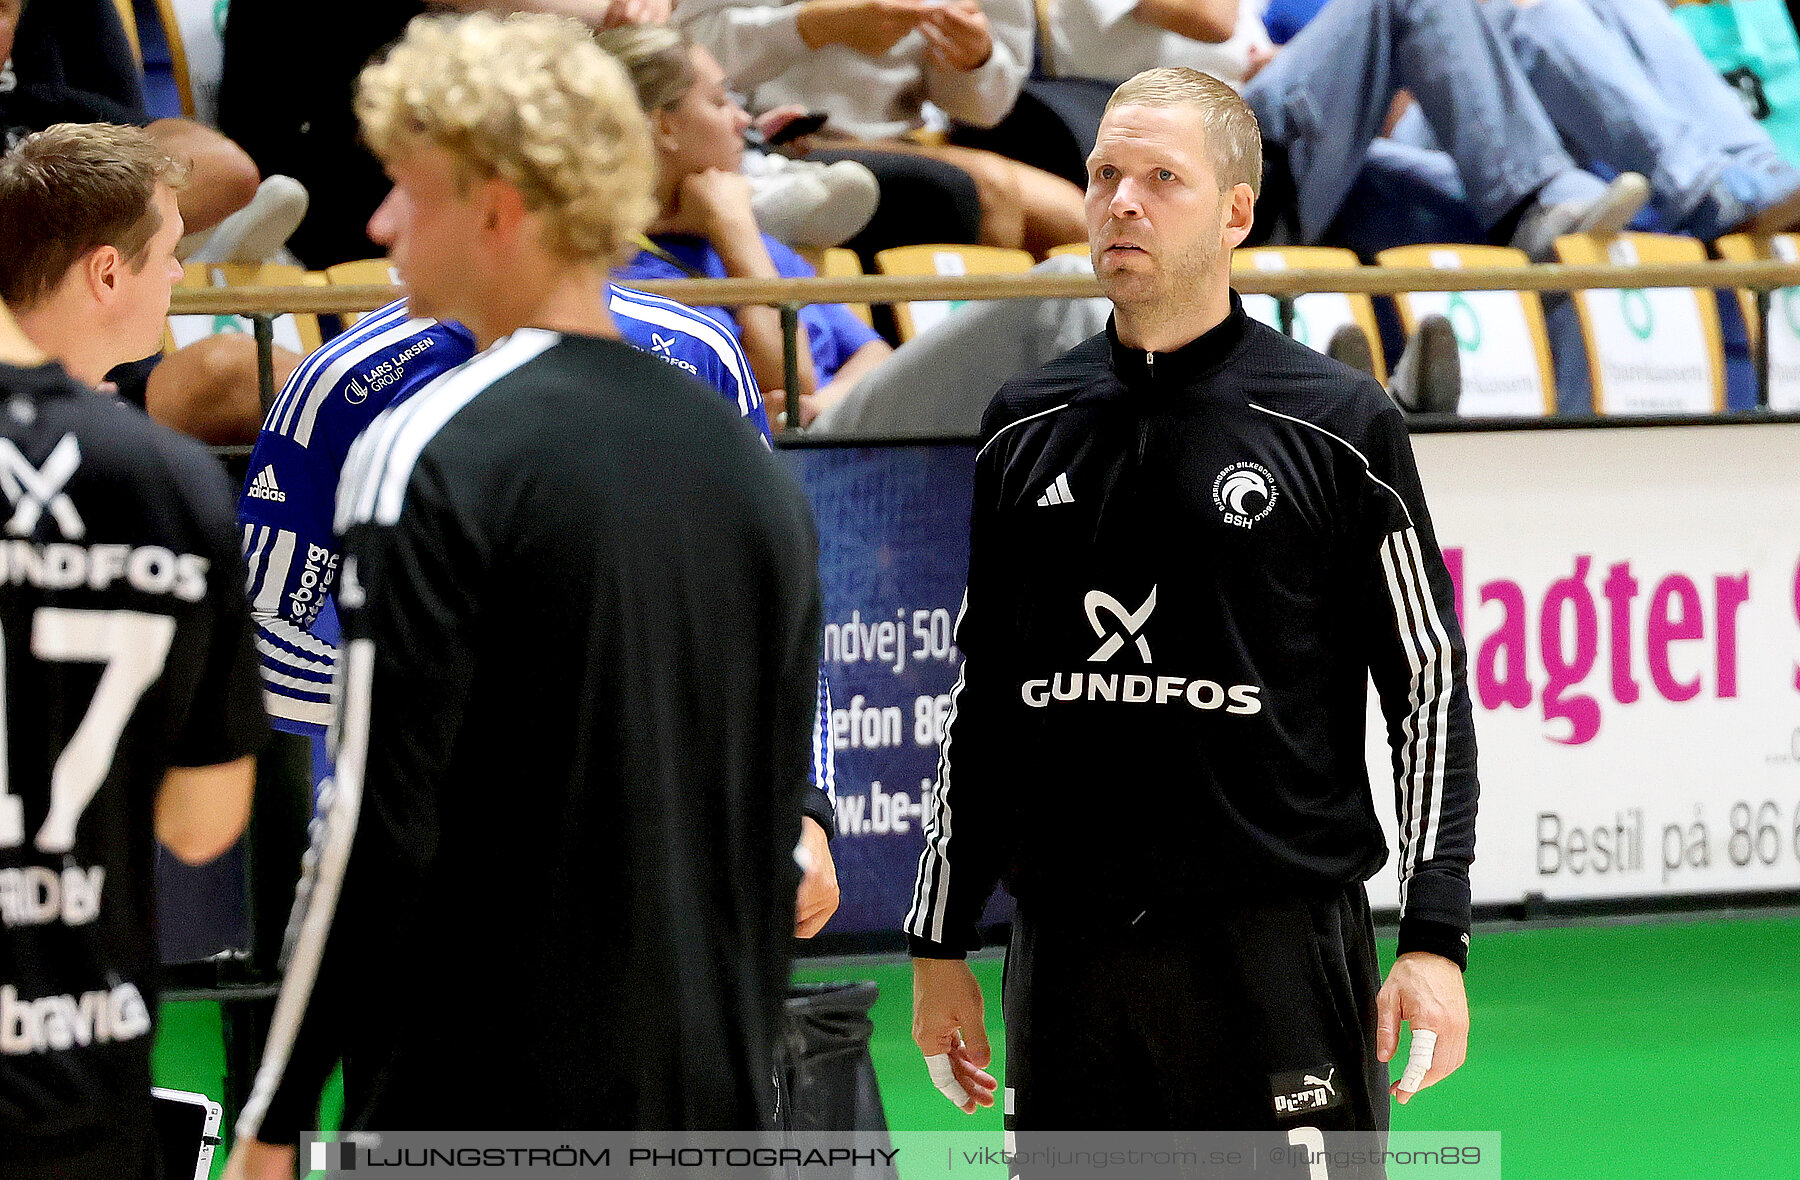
{"type": "Point", "coordinates": [1626, 86]}
{"type": "Point", "coordinates": [1326, 96]}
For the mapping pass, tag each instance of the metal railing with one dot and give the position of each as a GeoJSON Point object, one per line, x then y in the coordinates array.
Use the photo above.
{"type": "Point", "coordinates": [262, 304]}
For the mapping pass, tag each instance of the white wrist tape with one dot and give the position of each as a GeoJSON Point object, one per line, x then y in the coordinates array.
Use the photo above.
{"type": "Point", "coordinates": [1418, 1058]}
{"type": "Point", "coordinates": [944, 1078]}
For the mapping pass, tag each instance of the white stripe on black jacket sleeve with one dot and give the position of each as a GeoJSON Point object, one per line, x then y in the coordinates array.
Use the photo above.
{"type": "Point", "coordinates": [964, 819]}
{"type": "Point", "coordinates": [1419, 666]}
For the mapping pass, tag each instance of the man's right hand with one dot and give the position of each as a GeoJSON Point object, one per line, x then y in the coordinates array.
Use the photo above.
{"type": "Point", "coordinates": [870, 27]}
{"type": "Point", "coordinates": [950, 1030]}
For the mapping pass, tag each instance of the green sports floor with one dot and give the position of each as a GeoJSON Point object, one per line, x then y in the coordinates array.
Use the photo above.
{"type": "Point", "coordinates": [1628, 1051]}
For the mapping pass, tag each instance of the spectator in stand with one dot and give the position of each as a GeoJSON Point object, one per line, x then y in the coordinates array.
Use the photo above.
{"type": "Point", "coordinates": [705, 227]}
{"type": "Point", "coordinates": [874, 65]}
{"type": "Point", "coordinates": [208, 389]}
{"type": "Point", "coordinates": [1626, 85]}
{"type": "Point", "coordinates": [285, 95]}
{"type": "Point", "coordinates": [1507, 98]}
{"type": "Point", "coordinates": [1325, 99]}
{"type": "Point", "coordinates": [851, 381]}
{"type": "Point", "coordinates": [71, 63]}
{"type": "Point", "coordinates": [1108, 39]}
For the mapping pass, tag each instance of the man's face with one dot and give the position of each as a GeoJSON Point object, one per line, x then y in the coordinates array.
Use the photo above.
{"type": "Point", "coordinates": [1155, 215]}
{"type": "Point", "coordinates": [430, 231]}
{"type": "Point", "coordinates": [142, 293]}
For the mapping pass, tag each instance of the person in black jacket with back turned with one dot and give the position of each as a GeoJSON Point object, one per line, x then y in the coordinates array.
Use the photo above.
{"type": "Point", "coordinates": [1193, 542]}
{"type": "Point", "coordinates": [573, 706]}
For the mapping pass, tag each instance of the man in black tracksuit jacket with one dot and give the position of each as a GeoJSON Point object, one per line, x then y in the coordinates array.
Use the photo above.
{"type": "Point", "coordinates": [1194, 541]}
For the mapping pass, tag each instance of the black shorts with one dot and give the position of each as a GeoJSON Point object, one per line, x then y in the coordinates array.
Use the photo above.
{"type": "Point", "coordinates": [119, 1154]}
{"type": "Point", "coordinates": [1257, 1016]}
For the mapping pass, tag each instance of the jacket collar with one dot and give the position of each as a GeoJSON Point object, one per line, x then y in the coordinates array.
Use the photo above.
{"type": "Point", "coordinates": [46, 380]}
{"type": "Point", "coordinates": [1200, 355]}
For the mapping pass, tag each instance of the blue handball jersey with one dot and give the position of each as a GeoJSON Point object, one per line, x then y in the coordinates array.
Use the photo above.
{"type": "Point", "coordinates": [285, 514]}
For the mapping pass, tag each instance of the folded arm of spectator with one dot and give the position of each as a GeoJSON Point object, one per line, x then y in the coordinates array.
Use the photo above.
{"type": "Point", "coordinates": [1212, 21]}
{"type": "Point", "coordinates": [715, 205]}
{"type": "Point", "coordinates": [755, 42]}
{"type": "Point", "coordinates": [982, 93]}
{"type": "Point", "coordinates": [601, 14]}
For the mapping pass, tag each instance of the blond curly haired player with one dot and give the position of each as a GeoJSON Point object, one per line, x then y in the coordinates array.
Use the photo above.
{"type": "Point", "coordinates": [559, 560]}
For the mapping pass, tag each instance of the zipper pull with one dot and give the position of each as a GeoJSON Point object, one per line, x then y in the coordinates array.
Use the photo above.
{"type": "Point", "coordinates": [1143, 432]}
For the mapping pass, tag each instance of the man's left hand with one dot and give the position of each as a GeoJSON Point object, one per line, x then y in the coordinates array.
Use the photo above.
{"type": "Point", "coordinates": [957, 36]}
{"type": "Point", "coordinates": [818, 898]}
{"type": "Point", "coordinates": [1425, 991]}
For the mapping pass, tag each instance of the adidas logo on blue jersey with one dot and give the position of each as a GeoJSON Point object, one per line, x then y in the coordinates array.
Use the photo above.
{"type": "Point", "coordinates": [264, 487]}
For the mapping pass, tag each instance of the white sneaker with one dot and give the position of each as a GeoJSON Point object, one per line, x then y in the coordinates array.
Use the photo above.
{"type": "Point", "coordinates": [804, 203]}
{"type": "Point", "coordinates": [260, 229]}
{"type": "Point", "coordinates": [1602, 217]}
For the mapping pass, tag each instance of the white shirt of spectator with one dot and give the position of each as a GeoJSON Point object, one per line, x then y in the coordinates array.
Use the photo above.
{"type": "Point", "coordinates": [760, 49]}
{"type": "Point", "coordinates": [1101, 39]}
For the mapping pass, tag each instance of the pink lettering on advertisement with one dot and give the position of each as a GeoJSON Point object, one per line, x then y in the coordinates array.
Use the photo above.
{"type": "Point", "coordinates": [1620, 588]}
{"type": "Point", "coordinates": [1565, 670]}
{"type": "Point", "coordinates": [1797, 619]}
{"type": "Point", "coordinates": [1729, 593]}
{"type": "Point", "coordinates": [1667, 627]}
{"type": "Point", "coordinates": [1504, 649]}
{"type": "Point", "coordinates": [1661, 627]}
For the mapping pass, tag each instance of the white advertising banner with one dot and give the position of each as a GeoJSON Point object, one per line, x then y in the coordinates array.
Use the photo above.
{"type": "Point", "coordinates": [929, 313]}
{"type": "Point", "coordinates": [1650, 351]}
{"type": "Point", "coordinates": [201, 27]}
{"type": "Point", "coordinates": [1784, 332]}
{"type": "Point", "coordinates": [1317, 316]}
{"type": "Point", "coordinates": [189, 329]}
{"type": "Point", "coordinates": [1501, 373]}
{"type": "Point", "coordinates": [1631, 603]}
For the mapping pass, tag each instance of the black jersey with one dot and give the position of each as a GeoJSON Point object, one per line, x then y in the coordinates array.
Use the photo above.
{"type": "Point", "coordinates": [581, 622]}
{"type": "Point", "coordinates": [1184, 570]}
{"type": "Point", "coordinates": [126, 648]}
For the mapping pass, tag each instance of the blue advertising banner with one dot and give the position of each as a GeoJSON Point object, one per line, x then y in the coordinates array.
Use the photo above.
{"type": "Point", "coordinates": [893, 555]}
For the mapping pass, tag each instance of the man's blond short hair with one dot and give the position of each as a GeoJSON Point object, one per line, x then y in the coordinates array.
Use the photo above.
{"type": "Point", "coordinates": [70, 189]}
{"type": "Point", "coordinates": [1233, 137]}
{"type": "Point", "coordinates": [531, 100]}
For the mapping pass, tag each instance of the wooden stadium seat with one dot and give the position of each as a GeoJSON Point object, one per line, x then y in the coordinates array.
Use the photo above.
{"type": "Point", "coordinates": [296, 333]}
{"type": "Point", "coordinates": [1653, 351]}
{"type": "Point", "coordinates": [178, 59]}
{"type": "Point", "coordinates": [914, 318]}
{"type": "Point", "coordinates": [1784, 313]}
{"type": "Point", "coordinates": [1317, 314]}
{"type": "Point", "coordinates": [837, 262]}
{"type": "Point", "coordinates": [128, 18]}
{"type": "Point", "coordinates": [1503, 346]}
{"type": "Point", "coordinates": [364, 272]}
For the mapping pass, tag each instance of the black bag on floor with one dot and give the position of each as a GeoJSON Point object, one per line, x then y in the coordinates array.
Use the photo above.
{"type": "Point", "coordinates": [826, 1080]}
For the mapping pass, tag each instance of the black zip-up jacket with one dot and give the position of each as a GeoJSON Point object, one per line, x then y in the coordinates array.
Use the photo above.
{"type": "Point", "coordinates": [1184, 569]}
